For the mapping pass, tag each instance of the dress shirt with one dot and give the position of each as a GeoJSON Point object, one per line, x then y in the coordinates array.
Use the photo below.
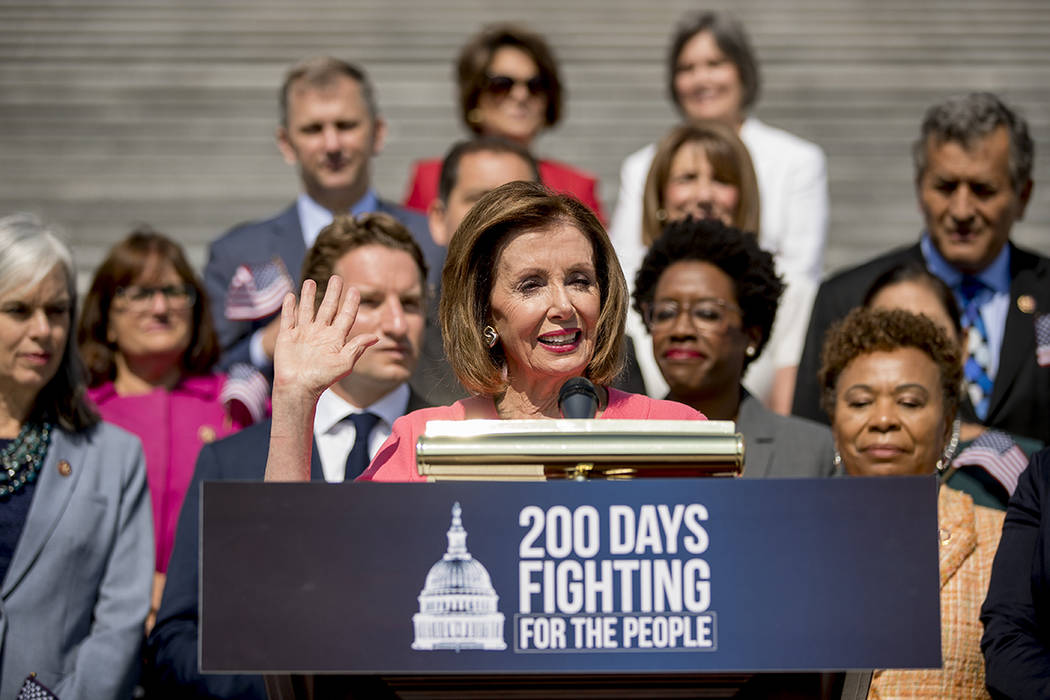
{"type": "Point", "coordinates": [312, 218]}
{"type": "Point", "coordinates": [335, 436]}
{"type": "Point", "coordinates": [994, 300]}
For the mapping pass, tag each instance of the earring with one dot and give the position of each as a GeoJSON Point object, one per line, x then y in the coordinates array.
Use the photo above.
{"type": "Point", "coordinates": [949, 451]}
{"type": "Point", "coordinates": [838, 459]}
{"type": "Point", "coordinates": [750, 352]}
{"type": "Point", "coordinates": [490, 335]}
{"type": "Point", "coordinates": [661, 215]}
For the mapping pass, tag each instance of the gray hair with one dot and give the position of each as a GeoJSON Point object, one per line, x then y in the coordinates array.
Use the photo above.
{"type": "Point", "coordinates": [29, 251]}
{"type": "Point", "coordinates": [964, 119]}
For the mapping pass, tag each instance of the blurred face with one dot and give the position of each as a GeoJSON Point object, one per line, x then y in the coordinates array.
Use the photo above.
{"type": "Point", "coordinates": [968, 201]}
{"type": "Point", "coordinates": [34, 325]}
{"type": "Point", "coordinates": [477, 175]}
{"type": "Point", "coordinates": [695, 324]}
{"type": "Point", "coordinates": [706, 83]}
{"type": "Point", "coordinates": [331, 138]}
{"type": "Point", "coordinates": [152, 318]}
{"type": "Point", "coordinates": [391, 307]}
{"type": "Point", "coordinates": [889, 414]}
{"type": "Point", "coordinates": [693, 189]}
{"type": "Point", "coordinates": [514, 103]}
{"type": "Point", "coordinates": [916, 298]}
{"type": "Point", "coordinates": [545, 303]}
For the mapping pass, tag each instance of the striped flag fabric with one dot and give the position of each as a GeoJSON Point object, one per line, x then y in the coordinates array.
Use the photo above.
{"type": "Point", "coordinates": [998, 454]}
{"type": "Point", "coordinates": [256, 291]}
{"type": "Point", "coordinates": [247, 386]}
{"type": "Point", "coordinates": [1042, 339]}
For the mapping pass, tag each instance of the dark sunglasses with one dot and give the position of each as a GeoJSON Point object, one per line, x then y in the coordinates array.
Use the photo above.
{"type": "Point", "coordinates": [501, 85]}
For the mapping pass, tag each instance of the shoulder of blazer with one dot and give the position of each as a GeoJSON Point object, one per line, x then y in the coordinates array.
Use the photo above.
{"type": "Point", "coordinates": [284, 222]}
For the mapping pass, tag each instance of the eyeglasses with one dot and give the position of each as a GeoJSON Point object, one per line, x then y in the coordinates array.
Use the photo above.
{"type": "Point", "coordinates": [500, 85]}
{"type": "Point", "coordinates": [139, 298]}
{"type": "Point", "coordinates": [711, 315]}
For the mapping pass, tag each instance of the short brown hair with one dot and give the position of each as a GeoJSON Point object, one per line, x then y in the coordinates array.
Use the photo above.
{"type": "Point", "coordinates": [466, 282]}
{"type": "Point", "coordinates": [322, 71]}
{"type": "Point", "coordinates": [347, 233]}
{"type": "Point", "coordinates": [476, 57]}
{"type": "Point", "coordinates": [729, 159]}
{"type": "Point", "coordinates": [865, 331]}
{"type": "Point", "coordinates": [143, 250]}
{"type": "Point", "coordinates": [732, 40]}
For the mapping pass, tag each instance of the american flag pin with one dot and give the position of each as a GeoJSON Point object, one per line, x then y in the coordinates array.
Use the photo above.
{"type": "Point", "coordinates": [1026, 303]}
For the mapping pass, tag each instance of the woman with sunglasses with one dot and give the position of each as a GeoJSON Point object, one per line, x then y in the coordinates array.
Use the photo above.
{"type": "Point", "coordinates": [147, 338]}
{"type": "Point", "coordinates": [509, 87]}
{"type": "Point", "coordinates": [709, 295]}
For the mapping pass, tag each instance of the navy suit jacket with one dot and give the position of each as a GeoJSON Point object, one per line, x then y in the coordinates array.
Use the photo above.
{"type": "Point", "coordinates": [1016, 613]}
{"type": "Point", "coordinates": [1020, 400]}
{"type": "Point", "coordinates": [172, 645]}
{"type": "Point", "coordinates": [282, 237]}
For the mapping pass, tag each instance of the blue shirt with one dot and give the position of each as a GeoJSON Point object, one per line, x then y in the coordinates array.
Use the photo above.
{"type": "Point", "coordinates": [993, 300]}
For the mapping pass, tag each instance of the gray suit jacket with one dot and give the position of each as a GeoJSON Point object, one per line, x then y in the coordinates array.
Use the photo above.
{"type": "Point", "coordinates": [74, 600]}
{"type": "Point", "coordinates": [282, 237]}
{"type": "Point", "coordinates": [782, 446]}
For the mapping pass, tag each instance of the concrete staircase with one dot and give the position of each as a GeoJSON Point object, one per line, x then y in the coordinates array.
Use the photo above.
{"type": "Point", "coordinates": [114, 112]}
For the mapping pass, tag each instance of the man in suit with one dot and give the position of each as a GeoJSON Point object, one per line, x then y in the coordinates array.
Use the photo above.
{"type": "Point", "coordinates": [377, 256]}
{"type": "Point", "coordinates": [973, 177]}
{"type": "Point", "coordinates": [330, 130]}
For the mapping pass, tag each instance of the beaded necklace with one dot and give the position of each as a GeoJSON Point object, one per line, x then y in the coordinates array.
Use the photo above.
{"type": "Point", "coordinates": [20, 461]}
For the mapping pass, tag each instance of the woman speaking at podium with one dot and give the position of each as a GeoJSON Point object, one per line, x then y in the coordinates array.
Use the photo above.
{"type": "Point", "coordinates": [532, 296]}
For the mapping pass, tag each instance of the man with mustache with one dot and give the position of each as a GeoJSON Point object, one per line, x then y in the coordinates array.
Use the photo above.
{"type": "Point", "coordinates": [973, 177]}
{"type": "Point", "coordinates": [375, 255]}
{"type": "Point", "coordinates": [330, 130]}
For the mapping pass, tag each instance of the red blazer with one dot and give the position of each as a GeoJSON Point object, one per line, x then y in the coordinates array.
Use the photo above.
{"type": "Point", "coordinates": [558, 176]}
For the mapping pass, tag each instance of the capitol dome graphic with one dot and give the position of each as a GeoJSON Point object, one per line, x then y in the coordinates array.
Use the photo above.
{"type": "Point", "coordinates": [457, 606]}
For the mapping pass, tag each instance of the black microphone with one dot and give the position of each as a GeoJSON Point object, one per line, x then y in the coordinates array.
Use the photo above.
{"type": "Point", "coordinates": [578, 398]}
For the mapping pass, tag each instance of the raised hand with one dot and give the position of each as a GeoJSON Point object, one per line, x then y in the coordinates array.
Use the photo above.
{"type": "Point", "coordinates": [315, 350]}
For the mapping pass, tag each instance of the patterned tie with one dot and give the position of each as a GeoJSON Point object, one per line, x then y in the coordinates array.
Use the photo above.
{"type": "Point", "coordinates": [978, 372]}
{"type": "Point", "coordinates": [358, 459]}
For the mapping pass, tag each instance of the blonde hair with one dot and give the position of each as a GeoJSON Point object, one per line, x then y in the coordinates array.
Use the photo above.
{"type": "Point", "coordinates": [729, 159]}
{"type": "Point", "coordinates": [466, 281]}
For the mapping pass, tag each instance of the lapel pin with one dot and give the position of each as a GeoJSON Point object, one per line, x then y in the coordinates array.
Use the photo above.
{"type": "Point", "coordinates": [206, 434]}
{"type": "Point", "coordinates": [64, 467]}
{"type": "Point", "coordinates": [1026, 303]}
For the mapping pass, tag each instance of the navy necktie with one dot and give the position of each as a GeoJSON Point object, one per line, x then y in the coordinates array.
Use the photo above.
{"type": "Point", "coordinates": [358, 459]}
{"type": "Point", "coordinates": [978, 370]}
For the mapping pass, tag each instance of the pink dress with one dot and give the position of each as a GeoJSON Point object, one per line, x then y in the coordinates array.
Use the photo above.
{"type": "Point", "coordinates": [558, 176]}
{"type": "Point", "coordinates": [396, 459]}
{"type": "Point", "coordinates": [173, 426]}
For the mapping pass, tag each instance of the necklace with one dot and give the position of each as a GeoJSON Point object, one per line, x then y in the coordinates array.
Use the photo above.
{"type": "Point", "coordinates": [20, 461]}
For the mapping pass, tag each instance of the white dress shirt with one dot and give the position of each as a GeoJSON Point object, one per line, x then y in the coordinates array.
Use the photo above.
{"type": "Point", "coordinates": [335, 436]}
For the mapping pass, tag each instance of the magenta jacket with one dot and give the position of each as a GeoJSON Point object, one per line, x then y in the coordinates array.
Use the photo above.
{"type": "Point", "coordinates": [173, 426]}
{"type": "Point", "coordinates": [396, 459]}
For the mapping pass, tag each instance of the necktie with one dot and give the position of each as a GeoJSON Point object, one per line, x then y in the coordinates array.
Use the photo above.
{"type": "Point", "coordinates": [977, 369]}
{"type": "Point", "coordinates": [358, 459]}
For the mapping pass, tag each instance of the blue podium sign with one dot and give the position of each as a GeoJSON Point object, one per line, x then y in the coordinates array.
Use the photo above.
{"type": "Point", "coordinates": [649, 575]}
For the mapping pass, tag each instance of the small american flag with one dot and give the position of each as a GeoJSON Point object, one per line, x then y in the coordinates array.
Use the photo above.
{"type": "Point", "coordinates": [1000, 456]}
{"type": "Point", "coordinates": [247, 386]}
{"type": "Point", "coordinates": [33, 689]}
{"type": "Point", "coordinates": [256, 291]}
{"type": "Point", "coordinates": [1042, 339]}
